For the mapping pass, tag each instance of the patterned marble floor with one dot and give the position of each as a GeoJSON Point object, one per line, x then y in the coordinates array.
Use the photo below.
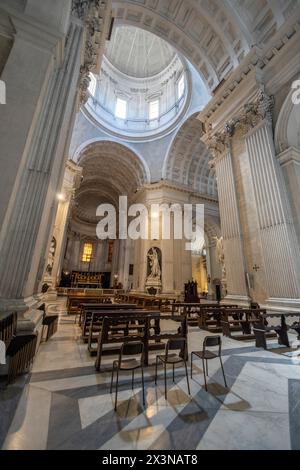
{"type": "Point", "coordinates": [66, 405]}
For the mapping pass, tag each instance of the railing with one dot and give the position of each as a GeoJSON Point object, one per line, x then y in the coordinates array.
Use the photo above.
{"type": "Point", "coordinates": [136, 124]}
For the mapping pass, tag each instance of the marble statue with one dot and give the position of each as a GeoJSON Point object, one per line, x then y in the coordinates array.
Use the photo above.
{"type": "Point", "coordinates": [154, 264]}
{"type": "Point", "coordinates": [220, 250]}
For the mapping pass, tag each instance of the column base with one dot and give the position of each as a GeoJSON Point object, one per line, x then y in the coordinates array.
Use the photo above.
{"type": "Point", "coordinates": [282, 305]}
{"type": "Point", "coordinates": [233, 299]}
{"type": "Point", "coordinates": [51, 295]}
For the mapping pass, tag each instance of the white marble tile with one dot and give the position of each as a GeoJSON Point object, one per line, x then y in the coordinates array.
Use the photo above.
{"type": "Point", "coordinates": [247, 431]}
{"type": "Point", "coordinates": [29, 429]}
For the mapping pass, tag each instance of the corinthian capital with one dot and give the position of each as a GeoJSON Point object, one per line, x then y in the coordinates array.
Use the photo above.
{"type": "Point", "coordinates": [255, 112]}
{"type": "Point", "coordinates": [218, 144]}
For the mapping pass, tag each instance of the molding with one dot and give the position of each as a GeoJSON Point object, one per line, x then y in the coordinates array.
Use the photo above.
{"type": "Point", "coordinates": [95, 16]}
{"type": "Point", "coordinates": [254, 114]}
{"type": "Point", "coordinates": [253, 68]}
{"type": "Point", "coordinates": [288, 156]}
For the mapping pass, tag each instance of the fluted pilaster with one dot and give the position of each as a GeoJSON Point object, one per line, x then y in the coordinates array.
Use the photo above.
{"type": "Point", "coordinates": [280, 250]}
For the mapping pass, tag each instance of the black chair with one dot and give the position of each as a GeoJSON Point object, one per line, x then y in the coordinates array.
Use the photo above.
{"type": "Point", "coordinates": [205, 354]}
{"type": "Point", "coordinates": [173, 359]}
{"type": "Point", "coordinates": [130, 364]}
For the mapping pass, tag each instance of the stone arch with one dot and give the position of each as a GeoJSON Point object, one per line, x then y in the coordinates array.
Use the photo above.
{"type": "Point", "coordinates": [214, 36]}
{"type": "Point", "coordinates": [187, 160]}
{"type": "Point", "coordinates": [287, 129]}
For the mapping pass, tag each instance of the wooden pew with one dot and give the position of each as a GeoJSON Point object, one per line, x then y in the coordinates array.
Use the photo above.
{"type": "Point", "coordinates": [74, 301]}
{"type": "Point", "coordinates": [152, 341]}
{"type": "Point", "coordinates": [90, 309]}
{"type": "Point", "coordinates": [20, 348]}
{"type": "Point", "coordinates": [126, 326]}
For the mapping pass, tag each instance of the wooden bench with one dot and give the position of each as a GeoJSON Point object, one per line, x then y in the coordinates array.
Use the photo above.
{"type": "Point", "coordinates": [261, 333]}
{"type": "Point", "coordinates": [152, 341]}
{"type": "Point", "coordinates": [125, 326]}
{"type": "Point", "coordinates": [74, 301]}
{"type": "Point", "coordinates": [89, 310]}
{"type": "Point", "coordinates": [210, 315]}
{"type": "Point", "coordinates": [20, 348]}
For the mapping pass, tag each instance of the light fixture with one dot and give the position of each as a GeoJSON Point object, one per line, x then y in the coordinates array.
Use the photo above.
{"type": "Point", "coordinates": [61, 197]}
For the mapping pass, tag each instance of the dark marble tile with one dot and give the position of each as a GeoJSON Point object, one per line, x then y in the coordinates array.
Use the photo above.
{"type": "Point", "coordinates": [103, 429]}
{"type": "Point", "coordinates": [62, 373]}
{"type": "Point", "coordinates": [9, 398]}
{"type": "Point", "coordinates": [294, 413]}
{"type": "Point", "coordinates": [64, 419]}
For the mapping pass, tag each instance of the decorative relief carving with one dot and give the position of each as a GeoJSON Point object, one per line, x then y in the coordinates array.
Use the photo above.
{"type": "Point", "coordinates": [95, 14]}
{"type": "Point", "coordinates": [253, 114]}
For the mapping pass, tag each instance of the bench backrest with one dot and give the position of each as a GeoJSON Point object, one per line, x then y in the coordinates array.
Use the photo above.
{"type": "Point", "coordinates": [8, 327]}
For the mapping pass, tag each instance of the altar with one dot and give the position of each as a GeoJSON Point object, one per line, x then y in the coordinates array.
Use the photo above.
{"type": "Point", "coordinates": [94, 280]}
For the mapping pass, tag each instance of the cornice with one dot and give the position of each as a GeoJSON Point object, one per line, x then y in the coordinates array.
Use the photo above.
{"type": "Point", "coordinates": [253, 114]}
{"type": "Point", "coordinates": [251, 73]}
{"type": "Point", "coordinates": [169, 185]}
{"type": "Point", "coordinates": [290, 155]}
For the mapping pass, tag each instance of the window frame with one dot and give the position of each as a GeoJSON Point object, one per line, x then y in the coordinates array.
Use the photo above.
{"type": "Point", "coordinates": [151, 103]}
{"type": "Point", "coordinates": [87, 254]}
{"type": "Point", "coordinates": [122, 114]}
{"type": "Point", "coordinates": [181, 87]}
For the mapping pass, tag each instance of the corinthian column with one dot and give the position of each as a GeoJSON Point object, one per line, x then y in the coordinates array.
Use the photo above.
{"type": "Point", "coordinates": [280, 250]}
{"type": "Point", "coordinates": [220, 146]}
{"type": "Point", "coordinates": [70, 184]}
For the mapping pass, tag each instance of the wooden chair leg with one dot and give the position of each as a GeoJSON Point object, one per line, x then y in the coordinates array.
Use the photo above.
{"type": "Point", "coordinates": [173, 373]}
{"type": "Point", "coordinates": [206, 367]}
{"type": "Point", "coordinates": [191, 365]}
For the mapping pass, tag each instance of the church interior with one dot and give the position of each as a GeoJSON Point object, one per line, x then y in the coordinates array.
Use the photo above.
{"type": "Point", "coordinates": [111, 109]}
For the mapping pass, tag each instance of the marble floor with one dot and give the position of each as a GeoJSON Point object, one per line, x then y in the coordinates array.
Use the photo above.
{"type": "Point", "coordinates": [65, 404]}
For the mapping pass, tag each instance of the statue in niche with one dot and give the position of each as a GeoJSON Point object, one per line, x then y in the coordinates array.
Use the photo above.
{"type": "Point", "coordinates": [220, 250]}
{"type": "Point", "coordinates": [154, 274]}
{"type": "Point", "coordinates": [221, 260]}
{"type": "Point", "coordinates": [154, 264]}
{"type": "Point", "coordinates": [51, 256]}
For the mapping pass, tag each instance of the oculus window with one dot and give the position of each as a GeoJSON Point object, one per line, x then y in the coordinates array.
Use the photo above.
{"type": "Point", "coordinates": [121, 108]}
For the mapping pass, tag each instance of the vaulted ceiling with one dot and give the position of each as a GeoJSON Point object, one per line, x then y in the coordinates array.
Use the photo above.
{"type": "Point", "coordinates": [214, 35]}
{"type": "Point", "coordinates": [187, 161]}
{"type": "Point", "coordinates": [109, 171]}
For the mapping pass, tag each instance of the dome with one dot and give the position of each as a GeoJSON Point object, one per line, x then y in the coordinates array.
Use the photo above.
{"type": "Point", "coordinates": [137, 53]}
{"type": "Point", "coordinates": [143, 87]}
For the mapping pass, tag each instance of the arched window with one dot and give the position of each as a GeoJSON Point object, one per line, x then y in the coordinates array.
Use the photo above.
{"type": "Point", "coordinates": [181, 87]}
{"type": "Point", "coordinates": [121, 108]}
{"type": "Point", "coordinates": [154, 109]}
{"type": "Point", "coordinates": [87, 253]}
{"type": "Point", "coordinates": [92, 85]}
